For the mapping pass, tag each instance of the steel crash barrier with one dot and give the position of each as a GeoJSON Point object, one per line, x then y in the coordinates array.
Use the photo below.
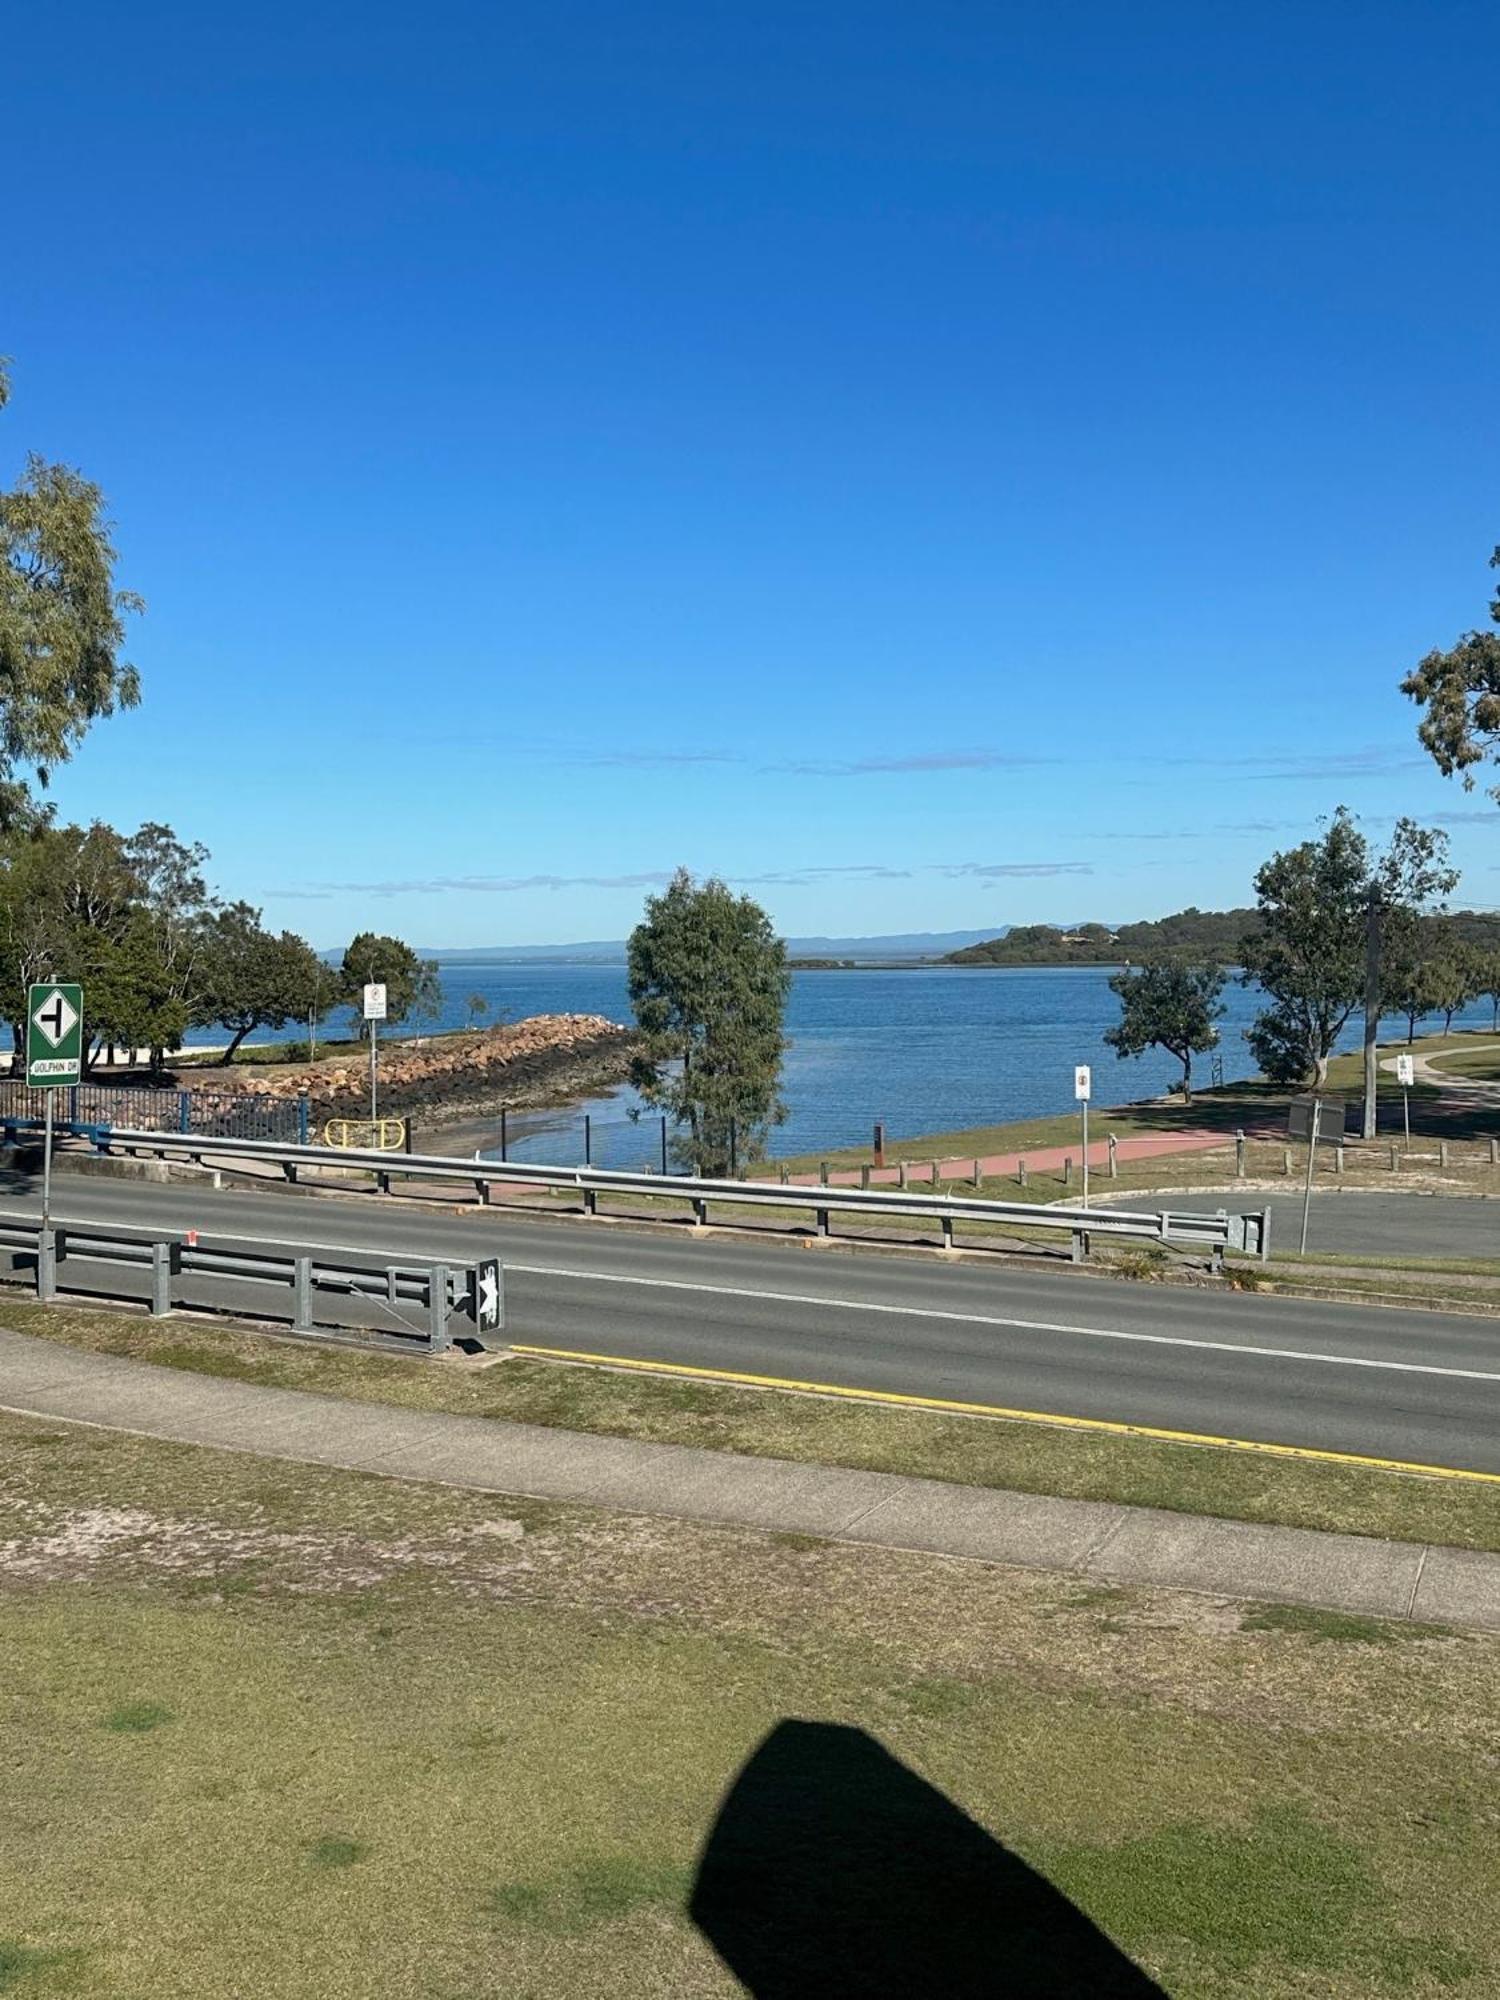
{"type": "Point", "coordinates": [413, 1304]}
{"type": "Point", "coordinates": [1213, 1233]}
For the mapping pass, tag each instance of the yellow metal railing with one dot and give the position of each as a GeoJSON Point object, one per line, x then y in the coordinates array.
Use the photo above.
{"type": "Point", "coordinates": [366, 1135]}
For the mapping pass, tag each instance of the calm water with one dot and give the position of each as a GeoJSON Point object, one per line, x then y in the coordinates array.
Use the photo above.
{"type": "Point", "coordinates": [928, 1051]}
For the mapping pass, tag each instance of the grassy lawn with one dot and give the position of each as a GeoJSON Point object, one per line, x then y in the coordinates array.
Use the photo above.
{"type": "Point", "coordinates": [1028, 1457]}
{"type": "Point", "coordinates": [1483, 1064]}
{"type": "Point", "coordinates": [277, 1731]}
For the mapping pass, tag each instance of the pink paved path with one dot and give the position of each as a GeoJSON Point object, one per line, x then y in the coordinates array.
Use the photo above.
{"type": "Point", "coordinates": [1039, 1159]}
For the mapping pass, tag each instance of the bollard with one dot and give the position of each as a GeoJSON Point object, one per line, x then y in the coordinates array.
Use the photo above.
{"type": "Point", "coordinates": [1114, 1157]}
{"type": "Point", "coordinates": [864, 1177]}
{"type": "Point", "coordinates": [937, 1172]}
{"type": "Point", "coordinates": [1068, 1170]}
{"type": "Point", "coordinates": [1338, 1159]}
{"type": "Point", "coordinates": [1021, 1170]}
{"type": "Point", "coordinates": [880, 1143]}
{"type": "Point", "coordinates": [978, 1180]}
{"type": "Point", "coordinates": [1239, 1156]}
{"type": "Point", "coordinates": [1393, 1160]}
{"type": "Point", "coordinates": [1495, 1152]}
{"type": "Point", "coordinates": [905, 1173]}
{"type": "Point", "coordinates": [1442, 1152]}
{"type": "Point", "coordinates": [786, 1176]}
{"type": "Point", "coordinates": [1286, 1159]}
{"type": "Point", "coordinates": [822, 1173]}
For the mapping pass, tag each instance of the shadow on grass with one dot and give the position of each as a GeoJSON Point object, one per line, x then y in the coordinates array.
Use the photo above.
{"type": "Point", "coordinates": [834, 1869]}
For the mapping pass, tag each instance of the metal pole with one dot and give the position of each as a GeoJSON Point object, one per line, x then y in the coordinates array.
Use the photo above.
{"type": "Point", "coordinates": [1406, 1116]}
{"type": "Point", "coordinates": [312, 1035]}
{"type": "Point", "coordinates": [1312, 1154]}
{"type": "Point", "coordinates": [1085, 1152]}
{"type": "Point", "coordinates": [1372, 1010]}
{"type": "Point", "coordinates": [47, 1166]}
{"type": "Point", "coordinates": [374, 1033]}
{"type": "Point", "coordinates": [504, 1136]}
{"type": "Point", "coordinates": [664, 1142]}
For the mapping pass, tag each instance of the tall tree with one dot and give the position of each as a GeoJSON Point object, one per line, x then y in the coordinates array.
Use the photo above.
{"type": "Point", "coordinates": [1169, 1005]}
{"type": "Point", "coordinates": [250, 978]}
{"type": "Point", "coordinates": [412, 985]}
{"type": "Point", "coordinates": [1312, 952]}
{"type": "Point", "coordinates": [178, 908]}
{"type": "Point", "coordinates": [62, 621]}
{"type": "Point", "coordinates": [1460, 691]}
{"type": "Point", "coordinates": [709, 984]}
{"type": "Point", "coordinates": [1405, 881]}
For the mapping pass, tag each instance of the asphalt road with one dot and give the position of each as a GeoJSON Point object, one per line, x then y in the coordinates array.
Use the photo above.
{"type": "Point", "coordinates": [1409, 1385]}
{"type": "Point", "coordinates": [1391, 1225]}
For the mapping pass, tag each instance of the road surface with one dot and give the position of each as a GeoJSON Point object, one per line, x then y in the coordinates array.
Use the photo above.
{"type": "Point", "coordinates": [1409, 1385]}
{"type": "Point", "coordinates": [1354, 1225]}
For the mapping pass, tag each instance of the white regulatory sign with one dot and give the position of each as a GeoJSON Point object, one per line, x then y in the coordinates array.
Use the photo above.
{"type": "Point", "coordinates": [1082, 1083]}
{"type": "Point", "coordinates": [1406, 1071]}
{"type": "Point", "coordinates": [375, 1003]}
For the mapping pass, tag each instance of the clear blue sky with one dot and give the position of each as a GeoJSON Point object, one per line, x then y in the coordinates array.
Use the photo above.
{"type": "Point", "coordinates": [945, 465]}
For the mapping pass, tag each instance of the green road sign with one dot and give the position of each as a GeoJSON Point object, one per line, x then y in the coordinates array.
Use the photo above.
{"type": "Point", "coordinates": [54, 1034]}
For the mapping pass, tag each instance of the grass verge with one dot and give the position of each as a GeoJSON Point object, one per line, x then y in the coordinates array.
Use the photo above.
{"type": "Point", "coordinates": [663, 1409]}
{"type": "Point", "coordinates": [406, 1747]}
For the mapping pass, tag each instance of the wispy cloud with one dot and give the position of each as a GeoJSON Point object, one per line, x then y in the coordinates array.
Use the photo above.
{"type": "Point", "coordinates": [489, 885]}
{"type": "Point", "coordinates": [660, 760]}
{"type": "Point", "coordinates": [1477, 817]}
{"type": "Point", "coordinates": [992, 871]}
{"type": "Point", "coordinates": [1373, 761]}
{"type": "Point", "coordinates": [798, 878]}
{"type": "Point", "coordinates": [919, 760]}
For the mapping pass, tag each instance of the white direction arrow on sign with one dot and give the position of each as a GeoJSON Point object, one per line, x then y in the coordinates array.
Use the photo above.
{"type": "Point", "coordinates": [487, 1294]}
{"type": "Point", "coordinates": [56, 1018]}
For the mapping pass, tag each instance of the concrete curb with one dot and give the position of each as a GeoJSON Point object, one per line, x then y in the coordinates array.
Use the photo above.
{"type": "Point", "coordinates": [1133, 1545]}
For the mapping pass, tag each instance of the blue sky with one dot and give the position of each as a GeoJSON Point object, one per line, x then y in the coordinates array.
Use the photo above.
{"type": "Point", "coordinates": [940, 465]}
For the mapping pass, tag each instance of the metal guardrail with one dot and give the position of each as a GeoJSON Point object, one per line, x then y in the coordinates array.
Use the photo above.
{"type": "Point", "coordinates": [410, 1304]}
{"type": "Point", "coordinates": [1212, 1233]}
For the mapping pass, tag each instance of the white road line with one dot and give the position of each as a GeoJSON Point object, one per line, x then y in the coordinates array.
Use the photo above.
{"type": "Point", "coordinates": [1021, 1325]}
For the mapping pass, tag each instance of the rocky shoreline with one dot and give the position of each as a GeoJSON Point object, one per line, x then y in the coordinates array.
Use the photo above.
{"type": "Point", "coordinates": [444, 1080]}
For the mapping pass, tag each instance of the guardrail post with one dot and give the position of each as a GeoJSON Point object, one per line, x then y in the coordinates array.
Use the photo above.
{"type": "Point", "coordinates": [47, 1254]}
{"type": "Point", "coordinates": [947, 1221]}
{"type": "Point", "coordinates": [166, 1261]}
{"type": "Point", "coordinates": [1239, 1156]}
{"type": "Point", "coordinates": [700, 1212]}
{"type": "Point", "coordinates": [591, 1201]}
{"type": "Point", "coordinates": [437, 1303]}
{"type": "Point", "coordinates": [1080, 1245]}
{"type": "Point", "coordinates": [823, 1229]}
{"type": "Point", "coordinates": [1265, 1236]}
{"type": "Point", "coordinates": [1114, 1156]}
{"type": "Point", "coordinates": [289, 1169]}
{"type": "Point", "coordinates": [482, 1193]}
{"type": "Point", "coordinates": [383, 1182]}
{"type": "Point", "coordinates": [302, 1279]}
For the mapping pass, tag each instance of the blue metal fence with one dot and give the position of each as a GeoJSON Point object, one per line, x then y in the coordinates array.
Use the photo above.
{"type": "Point", "coordinates": [219, 1114]}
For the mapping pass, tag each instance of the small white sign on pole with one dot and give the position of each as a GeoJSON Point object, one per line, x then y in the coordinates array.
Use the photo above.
{"type": "Point", "coordinates": [375, 1003]}
{"type": "Point", "coordinates": [1082, 1083]}
{"type": "Point", "coordinates": [1406, 1071]}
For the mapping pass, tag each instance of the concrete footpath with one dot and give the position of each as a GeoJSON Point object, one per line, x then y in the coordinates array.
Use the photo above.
{"type": "Point", "coordinates": [1131, 1545]}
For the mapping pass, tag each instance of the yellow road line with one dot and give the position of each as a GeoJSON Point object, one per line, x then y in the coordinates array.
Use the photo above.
{"type": "Point", "coordinates": [1104, 1424]}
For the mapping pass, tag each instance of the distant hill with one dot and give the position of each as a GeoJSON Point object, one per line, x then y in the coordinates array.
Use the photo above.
{"type": "Point", "coordinates": [1209, 933]}
{"type": "Point", "coordinates": [898, 944]}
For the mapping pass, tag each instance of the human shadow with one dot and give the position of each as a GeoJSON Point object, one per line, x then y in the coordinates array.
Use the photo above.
{"type": "Point", "coordinates": [834, 1870]}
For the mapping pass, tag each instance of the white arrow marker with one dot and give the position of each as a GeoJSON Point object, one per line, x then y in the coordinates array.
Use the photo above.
{"type": "Point", "coordinates": [489, 1299]}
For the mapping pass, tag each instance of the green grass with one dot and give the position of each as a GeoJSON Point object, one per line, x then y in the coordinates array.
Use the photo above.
{"type": "Point", "coordinates": [1480, 1063]}
{"type": "Point", "coordinates": [414, 1759]}
{"type": "Point", "coordinates": [1027, 1457]}
{"type": "Point", "coordinates": [1339, 1628]}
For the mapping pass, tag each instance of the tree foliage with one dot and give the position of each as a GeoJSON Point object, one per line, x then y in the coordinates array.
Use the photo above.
{"type": "Point", "coordinates": [251, 978]}
{"type": "Point", "coordinates": [62, 620]}
{"type": "Point", "coordinates": [709, 984]}
{"type": "Point", "coordinates": [1309, 952]}
{"type": "Point", "coordinates": [1460, 692]}
{"type": "Point", "coordinates": [1169, 1005]}
{"type": "Point", "coordinates": [412, 985]}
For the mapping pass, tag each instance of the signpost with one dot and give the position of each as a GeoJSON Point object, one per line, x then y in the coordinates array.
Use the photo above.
{"type": "Point", "coordinates": [489, 1295]}
{"type": "Point", "coordinates": [1406, 1076]}
{"type": "Point", "coordinates": [374, 1014]}
{"type": "Point", "coordinates": [1082, 1086]}
{"type": "Point", "coordinates": [1314, 1125]}
{"type": "Point", "coordinates": [54, 1058]}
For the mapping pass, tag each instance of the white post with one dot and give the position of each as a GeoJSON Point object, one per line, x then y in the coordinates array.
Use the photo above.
{"type": "Point", "coordinates": [1085, 1152]}
{"type": "Point", "coordinates": [1312, 1154]}
{"type": "Point", "coordinates": [374, 1039]}
{"type": "Point", "coordinates": [47, 1165]}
